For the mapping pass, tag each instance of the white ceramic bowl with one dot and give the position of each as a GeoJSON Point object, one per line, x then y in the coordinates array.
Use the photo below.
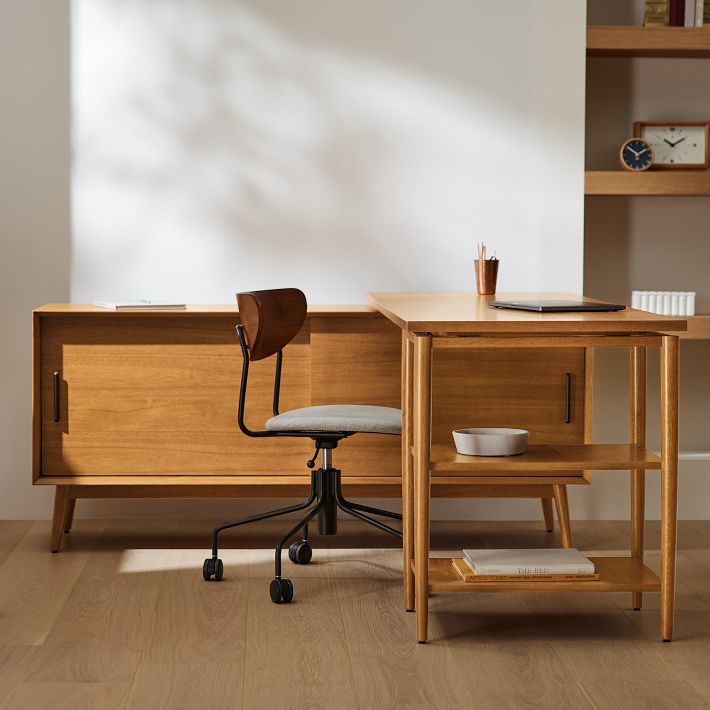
{"type": "Point", "coordinates": [491, 441]}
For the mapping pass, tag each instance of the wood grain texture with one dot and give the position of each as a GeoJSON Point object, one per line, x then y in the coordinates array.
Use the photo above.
{"type": "Point", "coordinates": [698, 328]}
{"type": "Point", "coordinates": [199, 310]}
{"type": "Point", "coordinates": [11, 532]}
{"type": "Point", "coordinates": [495, 650]}
{"type": "Point", "coordinates": [159, 396]}
{"type": "Point", "coordinates": [632, 694]}
{"type": "Point", "coordinates": [617, 574]}
{"type": "Point", "coordinates": [467, 313]}
{"type": "Point", "coordinates": [69, 696]}
{"type": "Point", "coordinates": [669, 481]}
{"type": "Point", "coordinates": [563, 518]}
{"type": "Point", "coordinates": [34, 584]}
{"type": "Point", "coordinates": [524, 389]}
{"type": "Point", "coordinates": [407, 383]}
{"type": "Point", "coordinates": [547, 513]}
{"type": "Point", "coordinates": [179, 685]}
{"type": "Point", "coordinates": [146, 397]}
{"type": "Point", "coordinates": [15, 665]}
{"type": "Point", "coordinates": [626, 41]}
{"type": "Point", "coordinates": [309, 637]}
{"type": "Point", "coordinates": [421, 425]}
{"type": "Point", "coordinates": [544, 457]}
{"type": "Point", "coordinates": [36, 398]}
{"type": "Point", "coordinates": [637, 431]}
{"type": "Point", "coordinates": [271, 319]}
{"type": "Point", "coordinates": [59, 517]}
{"type": "Point", "coordinates": [621, 182]}
{"type": "Point", "coordinates": [588, 400]}
{"type": "Point", "coordinates": [357, 361]}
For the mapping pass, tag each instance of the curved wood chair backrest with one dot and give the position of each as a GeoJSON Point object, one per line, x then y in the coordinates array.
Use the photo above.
{"type": "Point", "coordinates": [271, 319]}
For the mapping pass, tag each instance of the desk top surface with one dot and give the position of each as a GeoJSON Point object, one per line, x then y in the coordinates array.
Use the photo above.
{"type": "Point", "coordinates": [460, 313]}
{"type": "Point", "coordinates": [195, 309]}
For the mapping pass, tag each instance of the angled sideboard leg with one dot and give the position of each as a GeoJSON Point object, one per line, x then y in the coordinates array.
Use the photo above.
{"type": "Point", "coordinates": [69, 517]}
{"type": "Point", "coordinates": [547, 514]}
{"type": "Point", "coordinates": [637, 426]}
{"type": "Point", "coordinates": [563, 514]}
{"type": "Point", "coordinates": [61, 504]}
{"type": "Point", "coordinates": [669, 480]}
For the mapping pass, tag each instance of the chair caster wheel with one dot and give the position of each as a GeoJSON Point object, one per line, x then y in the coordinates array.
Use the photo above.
{"type": "Point", "coordinates": [281, 591]}
{"type": "Point", "coordinates": [212, 566]}
{"type": "Point", "coordinates": [300, 553]}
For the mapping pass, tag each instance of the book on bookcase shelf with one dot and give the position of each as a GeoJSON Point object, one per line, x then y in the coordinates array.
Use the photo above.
{"type": "Point", "coordinates": [676, 13]}
{"type": "Point", "coordinates": [689, 15]}
{"type": "Point", "coordinates": [467, 575]}
{"type": "Point", "coordinates": [556, 560]}
{"type": "Point", "coordinates": [656, 13]}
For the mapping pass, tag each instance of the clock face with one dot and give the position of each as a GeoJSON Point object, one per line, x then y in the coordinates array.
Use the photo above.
{"type": "Point", "coordinates": [677, 146]}
{"type": "Point", "coordinates": [636, 154]}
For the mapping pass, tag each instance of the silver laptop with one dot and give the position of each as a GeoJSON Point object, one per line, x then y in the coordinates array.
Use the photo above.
{"type": "Point", "coordinates": [545, 306]}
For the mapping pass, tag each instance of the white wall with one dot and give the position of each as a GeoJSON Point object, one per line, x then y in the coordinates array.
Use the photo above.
{"type": "Point", "coordinates": [337, 146]}
{"type": "Point", "coordinates": [34, 219]}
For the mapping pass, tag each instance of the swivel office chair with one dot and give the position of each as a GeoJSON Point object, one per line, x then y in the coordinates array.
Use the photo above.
{"type": "Point", "coordinates": [269, 321]}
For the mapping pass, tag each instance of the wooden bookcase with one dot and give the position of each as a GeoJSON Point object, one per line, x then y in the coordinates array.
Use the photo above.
{"type": "Point", "coordinates": [668, 42]}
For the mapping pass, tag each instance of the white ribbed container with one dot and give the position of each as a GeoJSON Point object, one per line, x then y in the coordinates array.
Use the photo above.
{"type": "Point", "coordinates": [667, 303]}
{"type": "Point", "coordinates": [690, 303]}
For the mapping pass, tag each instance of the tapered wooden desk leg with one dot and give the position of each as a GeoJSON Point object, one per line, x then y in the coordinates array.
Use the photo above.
{"type": "Point", "coordinates": [61, 501]}
{"type": "Point", "coordinates": [669, 480]}
{"type": "Point", "coordinates": [69, 515]}
{"type": "Point", "coordinates": [563, 514]}
{"type": "Point", "coordinates": [547, 514]}
{"type": "Point", "coordinates": [407, 473]}
{"type": "Point", "coordinates": [637, 427]}
{"type": "Point", "coordinates": [422, 480]}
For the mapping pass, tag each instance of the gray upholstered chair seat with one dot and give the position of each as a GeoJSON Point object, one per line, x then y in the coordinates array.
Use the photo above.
{"type": "Point", "coordinates": [339, 417]}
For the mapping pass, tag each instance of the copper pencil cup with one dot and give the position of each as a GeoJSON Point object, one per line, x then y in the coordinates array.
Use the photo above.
{"type": "Point", "coordinates": [486, 276]}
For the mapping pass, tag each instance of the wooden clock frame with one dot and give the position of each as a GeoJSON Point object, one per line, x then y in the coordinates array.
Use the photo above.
{"type": "Point", "coordinates": [639, 125]}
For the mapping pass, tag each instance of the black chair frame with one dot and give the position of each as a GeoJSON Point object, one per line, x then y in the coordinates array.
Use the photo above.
{"type": "Point", "coordinates": [324, 500]}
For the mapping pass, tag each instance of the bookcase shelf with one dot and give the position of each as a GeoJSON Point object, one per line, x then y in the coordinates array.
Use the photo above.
{"type": "Point", "coordinates": [622, 41]}
{"type": "Point", "coordinates": [692, 183]}
{"type": "Point", "coordinates": [616, 574]}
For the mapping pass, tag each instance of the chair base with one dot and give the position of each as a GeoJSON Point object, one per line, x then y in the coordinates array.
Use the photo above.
{"type": "Point", "coordinates": [324, 501]}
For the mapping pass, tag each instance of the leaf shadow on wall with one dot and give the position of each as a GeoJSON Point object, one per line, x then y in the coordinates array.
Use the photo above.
{"type": "Point", "coordinates": [228, 151]}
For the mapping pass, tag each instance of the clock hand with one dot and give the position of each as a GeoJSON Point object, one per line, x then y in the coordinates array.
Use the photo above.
{"type": "Point", "coordinates": [665, 140]}
{"type": "Point", "coordinates": [645, 150]}
{"type": "Point", "coordinates": [633, 151]}
{"type": "Point", "coordinates": [680, 141]}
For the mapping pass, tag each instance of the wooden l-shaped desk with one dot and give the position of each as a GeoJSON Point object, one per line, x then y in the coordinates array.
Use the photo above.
{"type": "Point", "coordinates": [143, 404]}
{"type": "Point", "coordinates": [434, 323]}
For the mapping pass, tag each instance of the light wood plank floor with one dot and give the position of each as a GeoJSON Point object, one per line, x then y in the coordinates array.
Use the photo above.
{"type": "Point", "coordinates": [122, 619]}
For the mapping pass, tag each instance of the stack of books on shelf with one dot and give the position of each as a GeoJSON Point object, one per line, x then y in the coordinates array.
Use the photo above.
{"type": "Point", "coordinates": [677, 13]}
{"type": "Point", "coordinates": [531, 565]}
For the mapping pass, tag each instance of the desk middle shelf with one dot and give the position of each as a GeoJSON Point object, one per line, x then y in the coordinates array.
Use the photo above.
{"type": "Point", "coordinates": [545, 457]}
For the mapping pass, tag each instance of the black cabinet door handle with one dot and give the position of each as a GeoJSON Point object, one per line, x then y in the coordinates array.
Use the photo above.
{"type": "Point", "coordinates": [56, 395]}
{"type": "Point", "coordinates": [568, 397]}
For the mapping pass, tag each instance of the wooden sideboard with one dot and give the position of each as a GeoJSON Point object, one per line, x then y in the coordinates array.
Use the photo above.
{"type": "Point", "coordinates": [143, 404]}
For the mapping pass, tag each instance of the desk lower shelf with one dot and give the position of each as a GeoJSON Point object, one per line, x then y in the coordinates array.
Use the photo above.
{"type": "Point", "coordinates": [617, 574]}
